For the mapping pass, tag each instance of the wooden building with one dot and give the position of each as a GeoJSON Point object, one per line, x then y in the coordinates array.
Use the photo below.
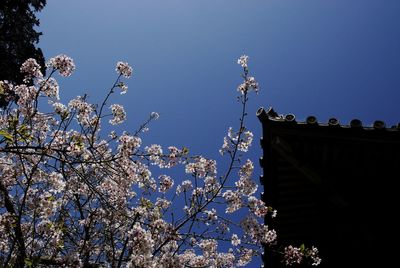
{"type": "Point", "coordinates": [334, 186]}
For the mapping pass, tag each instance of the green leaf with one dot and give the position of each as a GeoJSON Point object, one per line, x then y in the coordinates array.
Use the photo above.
{"type": "Point", "coordinates": [28, 262]}
{"type": "Point", "coordinates": [64, 115]}
{"type": "Point", "coordinates": [146, 203]}
{"type": "Point", "coordinates": [6, 135]}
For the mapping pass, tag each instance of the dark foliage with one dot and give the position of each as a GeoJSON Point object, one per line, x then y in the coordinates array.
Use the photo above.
{"type": "Point", "coordinates": [18, 38]}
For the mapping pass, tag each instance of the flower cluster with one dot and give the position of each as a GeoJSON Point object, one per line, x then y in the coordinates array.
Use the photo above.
{"type": "Point", "coordinates": [6, 91]}
{"type": "Point", "coordinates": [49, 87]}
{"type": "Point", "coordinates": [242, 61]}
{"type": "Point", "coordinates": [128, 144]}
{"type": "Point", "coordinates": [157, 157]}
{"type": "Point", "coordinates": [245, 184]}
{"type": "Point", "coordinates": [26, 96]}
{"type": "Point", "coordinates": [233, 199]}
{"type": "Point", "coordinates": [202, 167]}
{"type": "Point", "coordinates": [246, 256]}
{"type": "Point", "coordinates": [184, 186]}
{"type": "Point", "coordinates": [83, 109]}
{"type": "Point", "coordinates": [123, 69]}
{"type": "Point", "coordinates": [60, 109]}
{"type": "Point", "coordinates": [257, 231]}
{"type": "Point", "coordinates": [64, 64]}
{"type": "Point", "coordinates": [293, 255]}
{"type": "Point", "coordinates": [211, 215]}
{"type": "Point", "coordinates": [249, 82]}
{"type": "Point", "coordinates": [119, 114]}
{"type": "Point", "coordinates": [166, 182]}
{"type": "Point", "coordinates": [123, 87]}
{"type": "Point", "coordinates": [258, 207]}
{"type": "Point", "coordinates": [235, 240]}
{"type": "Point", "coordinates": [242, 141]}
{"type": "Point", "coordinates": [31, 69]}
{"type": "Point", "coordinates": [154, 115]}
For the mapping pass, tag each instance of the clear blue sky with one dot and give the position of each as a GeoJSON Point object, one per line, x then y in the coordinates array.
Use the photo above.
{"type": "Point", "coordinates": [328, 58]}
{"type": "Point", "coordinates": [338, 58]}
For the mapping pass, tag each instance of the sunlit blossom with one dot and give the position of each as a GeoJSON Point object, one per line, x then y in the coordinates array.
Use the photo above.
{"type": "Point", "coordinates": [119, 114]}
{"type": "Point", "coordinates": [31, 69]}
{"type": "Point", "coordinates": [242, 61]}
{"type": "Point", "coordinates": [154, 115]}
{"type": "Point", "coordinates": [166, 182]}
{"type": "Point", "coordinates": [235, 240]}
{"type": "Point", "coordinates": [64, 64]}
{"type": "Point", "coordinates": [124, 69]}
{"type": "Point", "coordinates": [49, 87]}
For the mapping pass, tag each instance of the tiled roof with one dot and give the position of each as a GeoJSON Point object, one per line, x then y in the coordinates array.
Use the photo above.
{"type": "Point", "coordinates": [272, 115]}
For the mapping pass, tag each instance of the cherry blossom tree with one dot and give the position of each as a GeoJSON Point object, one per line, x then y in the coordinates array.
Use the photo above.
{"type": "Point", "coordinates": [74, 196]}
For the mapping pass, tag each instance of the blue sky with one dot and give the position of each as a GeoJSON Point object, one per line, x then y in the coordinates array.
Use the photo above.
{"type": "Point", "coordinates": [326, 58]}
{"type": "Point", "coordinates": [336, 58]}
